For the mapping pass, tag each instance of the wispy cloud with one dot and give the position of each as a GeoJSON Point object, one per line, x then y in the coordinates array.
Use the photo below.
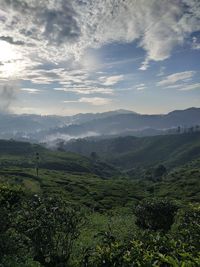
{"type": "Point", "coordinates": [111, 80]}
{"type": "Point", "coordinates": [195, 43]}
{"type": "Point", "coordinates": [190, 87]}
{"type": "Point", "coordinates": [87, 91]}
{"type": "Point", "coordinates": [176, 77]}
{"type": "Point", "coordinates": [161, 71]}
{"type": "Point", "coordinates": [140, 87]}
{"type": "Point", "coordinates": [95, 101]}
{"type": "Point", "coordinates": [31, 90]}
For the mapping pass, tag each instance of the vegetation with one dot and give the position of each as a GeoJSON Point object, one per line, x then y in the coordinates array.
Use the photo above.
{"type": "Point", "coordinates": [131, 152]}
{"type": "Point", "coordinates": [82, 211]}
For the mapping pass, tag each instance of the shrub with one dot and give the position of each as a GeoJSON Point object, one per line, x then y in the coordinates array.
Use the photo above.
{"type": "Point", "coordinates": [51, 226]}
{"type": "Point", "coordinates": [146, 249]}
{"type": "Point", "coordinates": [188, 226]}
{"type": "Point", "coordinates": [155, 214]}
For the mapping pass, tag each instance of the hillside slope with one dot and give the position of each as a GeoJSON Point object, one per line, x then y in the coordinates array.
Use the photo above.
{"type": "Point", "coordinates": [23, 155]}
{"type": "Point", "coordinates": [130, 152]}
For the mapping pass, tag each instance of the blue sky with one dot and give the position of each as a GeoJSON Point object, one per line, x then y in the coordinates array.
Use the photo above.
{"type": "Point", "coordinates": [70, 56]}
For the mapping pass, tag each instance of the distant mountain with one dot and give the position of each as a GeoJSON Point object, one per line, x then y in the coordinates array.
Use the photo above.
{"type": "Point", "coordinates": [82, 118]}
{"type": "Point", "coordinates": [12, 125]}
{"type": "Point", "coordinates": [119, 123]}
{"type": "Point", "coordinates": [132, 123]}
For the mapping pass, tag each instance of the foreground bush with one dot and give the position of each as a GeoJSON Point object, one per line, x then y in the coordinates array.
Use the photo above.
{"type": "Point", "coordinates": [155, 214]}
{"type": "Point", "coordinates": [187, 227]}
{"type": "Point", "coordinates": [177, 248]}
{"type": "Point", "coordinates": [36, 230]}
{"type": "Point", "coordinates": [51, 226]}
{"type": "Point", "coordinates": [146, 249]}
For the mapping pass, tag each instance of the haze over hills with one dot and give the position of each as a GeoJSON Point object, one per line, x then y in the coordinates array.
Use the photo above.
{"type": "Point", "coordinates": [37, 128]}
{"type": "Point", "coordinates": [12, 125]}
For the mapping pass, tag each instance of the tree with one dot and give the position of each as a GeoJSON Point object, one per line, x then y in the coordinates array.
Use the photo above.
{"type": "Point", "coordinates": [61, 146]}
{"type": "Point", "coordinates": [160, 171]}
{"type": "Point", "coordinates": [94, 156]}
{"type": "Point", "coordinates": [197, 128]}
{"type": "Point", "coordinates": [37, 158]}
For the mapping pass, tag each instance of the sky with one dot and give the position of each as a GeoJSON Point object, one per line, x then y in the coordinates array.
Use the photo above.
{"type": "Point", "coordinates": [75, 56]}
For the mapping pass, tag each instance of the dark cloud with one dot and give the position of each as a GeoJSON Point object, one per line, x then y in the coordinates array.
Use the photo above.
{"type": "Point", "coordinates": [10, 40]}
{"type": "Point", "coordinates": [60, 25]}
{"type": "Point", "coordinates": [54, 23]}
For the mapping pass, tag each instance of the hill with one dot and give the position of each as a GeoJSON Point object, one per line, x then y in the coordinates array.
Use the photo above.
{"type": "Point", "coordinates": [23, 155]}
{"type": "Point", "coordinates": [133, 121]}
{"type": "Point", "coordinates": [131, 152]}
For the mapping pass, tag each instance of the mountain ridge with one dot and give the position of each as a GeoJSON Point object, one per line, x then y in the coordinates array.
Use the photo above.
{"type": "Point", "coordinates": [38, 128]}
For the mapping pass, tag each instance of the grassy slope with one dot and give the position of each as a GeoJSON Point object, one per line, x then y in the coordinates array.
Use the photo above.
{"type": "Point", "coordinates": [80, 179]}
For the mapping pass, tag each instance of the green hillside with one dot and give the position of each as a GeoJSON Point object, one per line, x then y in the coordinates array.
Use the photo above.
{"type": "Point", "coordinates": [93, 184]}
{"type": "Point", "coordinates": [23, 155]}
{"type": "Point", "coordinates": [130, 152]}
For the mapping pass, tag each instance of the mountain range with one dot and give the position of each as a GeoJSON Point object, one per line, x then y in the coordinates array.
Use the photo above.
{"type": "Point", "coordinates": [38, 128]}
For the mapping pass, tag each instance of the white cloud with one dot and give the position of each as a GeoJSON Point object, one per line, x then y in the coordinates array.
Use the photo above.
{"type": "Point", "coordinates": [158, 25]}
{"type": "Point", "coordinates": [30, 90]}
{"type": "Point", "coordinates": [184, 86]}
{"type": "Point", "coordinates": [111, 80]}
{"type": "Point", "coordinates": [190, 87]}
{"type": "Point", "coordinates": [174, 86]}
{"type": "Point", "coordinates": [145, 64]}
{"type": "Point", "coordinates": [140, 87]}
{"type": "Point", "coordinates": [95, 101]}
{"type": "Point", "coordinates": [176, 77]}
{"type": "Point", "coordinates": [86, 91]}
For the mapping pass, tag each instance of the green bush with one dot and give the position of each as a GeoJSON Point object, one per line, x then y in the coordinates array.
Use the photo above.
{"type": "Point", "coordinates": [36, 230]}
{"type": "Point", "coordinates": [146, 249]}
{"type": "Point", "coordinates": [155, 214]}
{"type": "Point", "coordinates": [51, 226]}
{"type": "Point", "coordinates": [188, 226]}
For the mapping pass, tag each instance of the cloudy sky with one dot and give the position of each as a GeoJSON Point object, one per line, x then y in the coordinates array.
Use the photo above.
{"type": "Point", "coordinates": [70, 56]}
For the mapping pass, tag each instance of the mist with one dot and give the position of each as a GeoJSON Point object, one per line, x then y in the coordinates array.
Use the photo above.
{"type": "Point", "coordinates": [52, 141]}
{"type": "Point", "coordinates": [7, 98]}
